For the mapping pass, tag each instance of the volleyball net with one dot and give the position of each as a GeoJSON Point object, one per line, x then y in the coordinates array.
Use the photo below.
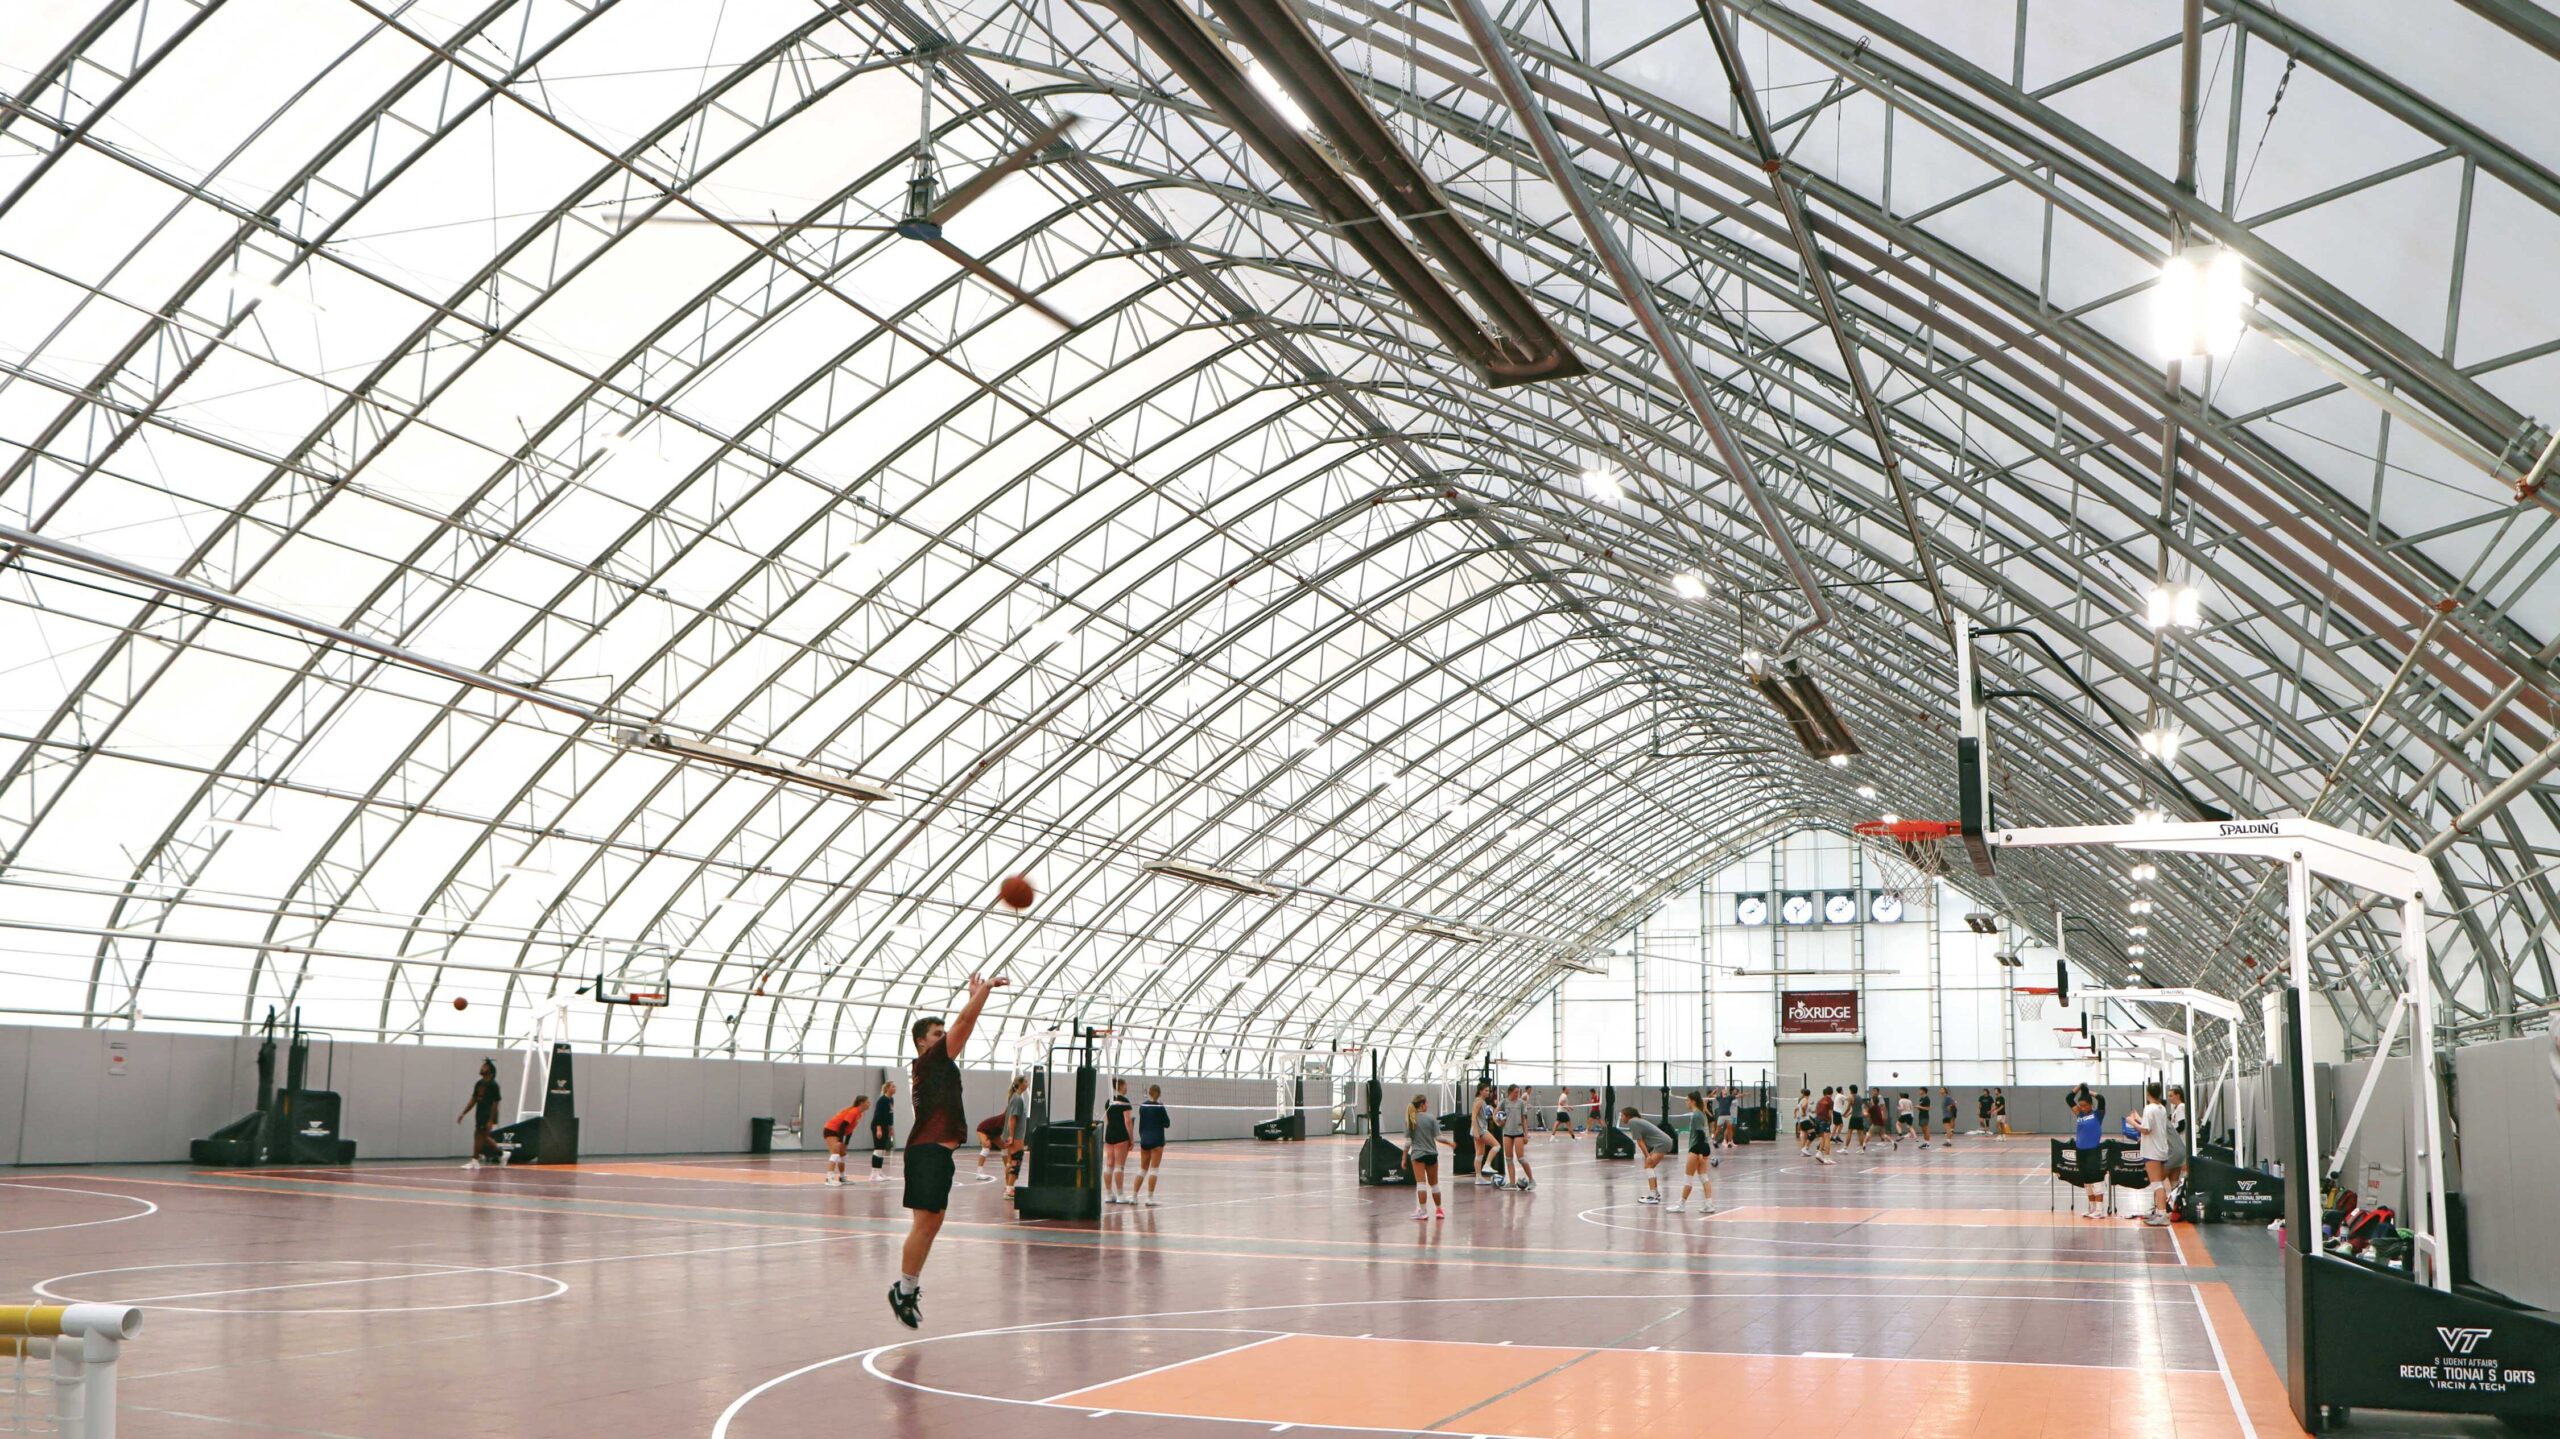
{"type": "Point", "coordinates": [58, 1367]}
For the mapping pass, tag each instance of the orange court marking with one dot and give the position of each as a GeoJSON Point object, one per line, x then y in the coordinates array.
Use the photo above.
{"type": "Point", "coordinates": [2244, 1355]}
{"type": "Point", "coordinates": [1963, 1218]}
{"type": "Point", "coordinates": [1542, 1392]}
{"type": "Point", "coordinates": [2191, 1246]}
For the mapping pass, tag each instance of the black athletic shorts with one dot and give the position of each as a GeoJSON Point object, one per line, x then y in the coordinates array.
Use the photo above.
{"type": "Point", "coordinates": [1858, 1122]}
{"type": "Point", "coordinates": [884, 1137]}
{"type": "Point", "coordinates": [928, 1178]}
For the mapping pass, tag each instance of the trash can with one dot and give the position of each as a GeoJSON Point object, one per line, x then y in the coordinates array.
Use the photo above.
{"type": "Point", "coordinates": [760, 1135]}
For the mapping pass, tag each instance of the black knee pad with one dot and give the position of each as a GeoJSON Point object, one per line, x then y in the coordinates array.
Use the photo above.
{"type": "Point", "coordinates": [876, 1159]}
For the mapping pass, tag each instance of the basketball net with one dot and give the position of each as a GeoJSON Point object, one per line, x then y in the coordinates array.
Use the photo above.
{"type": "Point", "coordinates": [2031, 1004]}
{"type": "Point", "coordinates": [1909, 870]}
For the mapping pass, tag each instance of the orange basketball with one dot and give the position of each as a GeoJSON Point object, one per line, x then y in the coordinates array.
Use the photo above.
{"type": "Point", "coordinates": [1016, 891]}
{"type": "Point", "coordinates": [461, 1003]}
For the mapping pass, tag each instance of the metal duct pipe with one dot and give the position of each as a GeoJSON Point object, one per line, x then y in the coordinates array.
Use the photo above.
{"type": "Point", "coordinates": [1632, 288]}
{"type": "Point", "coordinates": [88, 559]}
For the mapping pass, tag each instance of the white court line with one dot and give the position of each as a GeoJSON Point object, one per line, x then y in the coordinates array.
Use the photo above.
{"type": "Point", "coordinates": [1332, 1189]}
{"type": "Point", "coordinates": [2230, 1386]}
{"type": "Point", "coordinates": [148, 1208]}
{"type": "Point", "coordinates": [439, 1272]}
{"type": "Point", "coordinates": [2136, 1257]}
{"type": "Point", "coordinates": [44, 1288]}
{"type": "Point", "coordinates": [1165, 1368]}
{"type": "Point", "coordinates": [868, 1357]}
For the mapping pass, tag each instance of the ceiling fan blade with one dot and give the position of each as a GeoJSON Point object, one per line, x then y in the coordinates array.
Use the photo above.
{"type": "Point", "coordinates": [978, 184]}
{"type": "Point", "coordinates": [969, 262]}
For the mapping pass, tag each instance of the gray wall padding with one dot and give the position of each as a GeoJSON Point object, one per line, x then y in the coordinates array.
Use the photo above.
{"type": "Point", "coordinates": [2511, 1165]}
{"type": "Point", "coordinates": [58, 1104]}
{"type": "Point", "coordinates": [2383, 1138]}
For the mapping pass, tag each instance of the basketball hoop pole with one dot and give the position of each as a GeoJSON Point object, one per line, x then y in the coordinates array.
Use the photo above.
{"type": "Point", "coordinates": [2307, 847]}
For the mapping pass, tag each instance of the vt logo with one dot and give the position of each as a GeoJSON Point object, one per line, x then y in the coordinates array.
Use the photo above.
{"type": "Point", "coordinates": [2461, 1341]}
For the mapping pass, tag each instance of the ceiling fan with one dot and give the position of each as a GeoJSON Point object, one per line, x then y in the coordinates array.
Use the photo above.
{"type": "Point", "coordinates": [929, 207]}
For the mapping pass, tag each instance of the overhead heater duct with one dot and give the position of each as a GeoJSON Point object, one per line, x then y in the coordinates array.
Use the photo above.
{"type": "Point", "coordinates": [1787, 685]}
{"type": "Point", "coordinates": [1508, 342]}
{"type": "Point", "coordinates": [1441, 929]}
{"type": "Point", "coordinates": [1210, 877]}
{"type": "Point", "coordinates": [849, 786]}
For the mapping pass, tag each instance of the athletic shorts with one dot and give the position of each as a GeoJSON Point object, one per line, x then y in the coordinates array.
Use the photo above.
{"type": "Point", "coordinates": [1150, 1148]}
{"type": "Point", "coordinates": [1857, 1121]}
{"type": "Point", "coordinates": [928, 1184]}
{"type": "Point", "coordinates": [1698, 1142]}
{"type": "Point", "coordinates": [844, 1134]}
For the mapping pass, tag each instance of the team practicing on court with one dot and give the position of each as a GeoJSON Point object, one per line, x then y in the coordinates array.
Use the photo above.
{"type": "Point", "coordinates": [1499, 1124]}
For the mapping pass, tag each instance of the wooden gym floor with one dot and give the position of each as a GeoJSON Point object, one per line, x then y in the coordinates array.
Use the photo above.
{"type": "Point", "coordinates": [1928, 1294]}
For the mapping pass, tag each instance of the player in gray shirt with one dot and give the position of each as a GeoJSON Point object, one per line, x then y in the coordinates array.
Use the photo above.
{"type": "Point", "coordinates": [1651, 1145]}
{"type": "Point", "coordinates": [1515, 1139]}
{"type": "Point", "coordinates": [1422, 1154]}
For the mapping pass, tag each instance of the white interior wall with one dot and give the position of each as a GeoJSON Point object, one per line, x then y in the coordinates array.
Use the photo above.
{"type": "Point", "coordinates": [62, 1103]}
{"type": "Point", "coordinates": [1710, 1002]}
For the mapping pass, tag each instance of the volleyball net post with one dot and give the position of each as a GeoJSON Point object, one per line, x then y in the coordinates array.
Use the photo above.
{"type": "Point", "coordinates": [58, 1367]}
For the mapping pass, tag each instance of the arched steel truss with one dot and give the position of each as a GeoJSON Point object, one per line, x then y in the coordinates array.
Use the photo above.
{"type": "Point", "coordinates": [1331, 613]}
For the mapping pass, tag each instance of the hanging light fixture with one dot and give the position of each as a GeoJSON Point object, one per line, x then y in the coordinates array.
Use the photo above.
{"type": "Point", "coordinates": [2162, 743]}
{"type": "Point", "coordinates": [1601, 482]}
{"type": "Point", "coordinates": [1689, 585]}
{"type": "Point", "coordinates": [2173, 607]}
{"type": "Point", "coordinates": [2201, 304]}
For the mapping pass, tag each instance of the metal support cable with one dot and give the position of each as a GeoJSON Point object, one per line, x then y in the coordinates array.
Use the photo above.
{"type": "Point", "coordinates": [1632, 288]}
{"type": "Point", "coordinates": [1818, 278]}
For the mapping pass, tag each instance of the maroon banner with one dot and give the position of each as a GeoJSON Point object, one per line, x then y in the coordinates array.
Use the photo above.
{"type": "Point", "coordinates": [1818, 1011]}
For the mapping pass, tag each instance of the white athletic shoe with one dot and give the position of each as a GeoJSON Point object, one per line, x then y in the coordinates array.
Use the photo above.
{"type": "Point", "coordinates": [1422, 1214]}
{"type": "Point", "coordinates": [1706, 1209]}
{"type": "Point", "coordinates": [1824, 1159]}
{"type": "Point", "coordinates": [1149, 1201]}
{"type": "Point", "coordinates": [1673, 1208]}
{"type": "Point", "coordinates": [1650, 1199]}
{"type": "Point", "coordinates": [986, 1179]}
{"type": "Point", "coordinates": [474, 1164]}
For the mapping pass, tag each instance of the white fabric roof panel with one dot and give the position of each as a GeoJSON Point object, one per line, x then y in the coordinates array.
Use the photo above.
{"type": "Point", "coordinates": [1243, 570]}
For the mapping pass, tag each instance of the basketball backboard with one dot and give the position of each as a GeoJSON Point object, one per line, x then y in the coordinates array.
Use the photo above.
{"type": "Point", "coordinates": [1974, 817]}
{"type": "Point", "coordinates": [635, 975]}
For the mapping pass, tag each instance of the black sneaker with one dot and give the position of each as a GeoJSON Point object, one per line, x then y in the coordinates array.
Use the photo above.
{"type": "Point", "coordinates": [906, 1304]}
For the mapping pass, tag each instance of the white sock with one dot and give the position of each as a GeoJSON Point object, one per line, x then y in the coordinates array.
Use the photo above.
{"type": "Point", "coordinates": [908, 1284]}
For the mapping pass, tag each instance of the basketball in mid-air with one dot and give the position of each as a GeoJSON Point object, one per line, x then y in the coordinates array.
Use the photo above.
{"type": "Point", "coordinates": [1016, 891]}
{"type": "Point", "coordinates": [461, 1003]}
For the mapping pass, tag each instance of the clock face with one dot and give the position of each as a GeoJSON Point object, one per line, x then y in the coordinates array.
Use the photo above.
{"type": "Point", "coordinates": [1840, 909]}
{"type": "Point", "coordinates": [1886, 909]}
{"type": "Point", "coordinates": [1798, 909]}
{"type": "Point", "coordinates": [1751, 909]}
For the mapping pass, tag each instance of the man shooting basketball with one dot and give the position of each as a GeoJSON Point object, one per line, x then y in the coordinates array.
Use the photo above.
{"type": "Point", "coordinates": [941, 1126]}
